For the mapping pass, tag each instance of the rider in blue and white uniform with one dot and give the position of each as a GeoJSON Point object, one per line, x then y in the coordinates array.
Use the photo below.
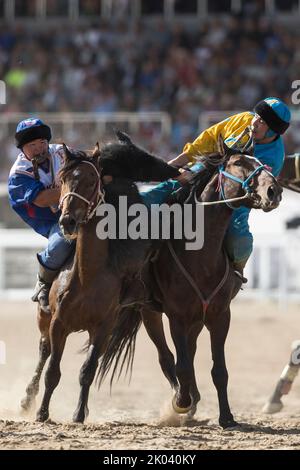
{"type": "Point", "coordinates": [34, 195]}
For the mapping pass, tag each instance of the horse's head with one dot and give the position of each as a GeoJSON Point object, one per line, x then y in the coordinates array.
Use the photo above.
{"type": "Point", "coordinates": [80, 189]}
{"type": "Point", "coordinates": [244, 175]}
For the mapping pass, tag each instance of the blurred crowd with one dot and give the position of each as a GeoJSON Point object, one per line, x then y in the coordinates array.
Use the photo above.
{"type": "Point", "coordinates": [222, 64]}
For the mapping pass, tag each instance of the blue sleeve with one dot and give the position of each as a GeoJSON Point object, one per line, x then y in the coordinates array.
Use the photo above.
{"type": "Point", "coordinates": [23, 189]}
{"type": "Point", "coordinates": [160, 193]}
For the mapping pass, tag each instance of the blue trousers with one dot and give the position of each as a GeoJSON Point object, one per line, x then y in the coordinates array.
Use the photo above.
{"type": "Point", "coordinates": [57, 251]}
{"type": "Point", "coordinates": [238, 239]}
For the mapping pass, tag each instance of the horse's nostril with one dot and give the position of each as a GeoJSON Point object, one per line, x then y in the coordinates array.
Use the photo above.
{"type": "Point", "coordinates": [271, 193]}
{"type": "Point", "coordinates": [72, 223]}
{"type": "Point", "coordinates": [68, 224]}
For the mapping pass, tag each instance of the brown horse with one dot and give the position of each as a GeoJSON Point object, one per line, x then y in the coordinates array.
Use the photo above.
{"type": "Point", "coordinates": [86, 294]}
{"type": "Point", "coordinates": [290, 174]}
{"type": "Point", "coordinates": [195, 288]}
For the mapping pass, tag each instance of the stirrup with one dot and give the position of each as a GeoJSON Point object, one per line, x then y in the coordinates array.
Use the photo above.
{"type": "Point", "coordinates": [38, 287]}
{"type": "Point", "coordinates": [242, 278]}
{"type": "Point", "coordinates": [46, 277]}
{"type": "Point", "coordinates": [41, 296]}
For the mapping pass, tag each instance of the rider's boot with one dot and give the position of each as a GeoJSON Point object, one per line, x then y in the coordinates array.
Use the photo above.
{"type": "Point", "coordinates": [41, 294]}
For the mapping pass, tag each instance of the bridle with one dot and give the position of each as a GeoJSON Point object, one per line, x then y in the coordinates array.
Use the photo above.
{"type": "Point", "coordinates": [244, 183]}
{"type": "Point", "coordinates": [96, 199]}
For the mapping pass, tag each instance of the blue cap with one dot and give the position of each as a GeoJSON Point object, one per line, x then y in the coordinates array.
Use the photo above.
{"type": "Point", "coordinates": [275, 113]}
{"type": "Point", "coordinates": [31, 129]}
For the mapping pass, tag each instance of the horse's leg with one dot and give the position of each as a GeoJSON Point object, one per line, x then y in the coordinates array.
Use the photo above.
{"type": "Point", "coordinates": [154, 327]}
{"type": "Point", "coordinates": [33, 387]}
{"type": "Point", "coordinates": [87, 373]}
{"type": "Point", "coordinates": [44, 352]}
{"type": "Point", "coordinates": [58, 336]}
{"type": "Point", "coordinates": [285, 382]}
{"type": "Point", "coordinates": [182, 402]}
{"type": "Point", "coordinates": [218, 329]}
{"type": "Point", "coordinates": [194, 332]}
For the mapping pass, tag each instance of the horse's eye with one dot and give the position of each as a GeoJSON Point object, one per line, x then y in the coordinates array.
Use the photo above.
{"type": "Point", "coordinates": [238, 163]}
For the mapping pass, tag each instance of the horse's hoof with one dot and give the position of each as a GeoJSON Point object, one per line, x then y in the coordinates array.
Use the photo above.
{"type": "Point", "coordinates": [42, 416]}
{"type": "Point", "coordinates": [179, 409]}
{"type": "Point", "coordinates": [192, 412]}
{"type": "Point", "coordinates": [78, 419]}
{"type": "Point", "coordinates": [27, 406]}
{"type": "Point", "coordinates": [80, 415]}
{"type": "Point", "coordinates": [229, 424]}
{"type": "Point", "coordinates": [272, 407]}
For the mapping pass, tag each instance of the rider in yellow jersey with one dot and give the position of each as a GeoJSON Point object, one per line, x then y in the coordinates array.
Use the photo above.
{"type": "Point", "coordinates": [262, 129]}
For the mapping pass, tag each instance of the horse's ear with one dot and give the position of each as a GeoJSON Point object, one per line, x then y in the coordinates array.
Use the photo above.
{"type": "Point", "coordinates": [123, 137]}
{"type": "Point", "coordinates": [96, 151]}
{"type": "Point", "coordinates": [67, 153]}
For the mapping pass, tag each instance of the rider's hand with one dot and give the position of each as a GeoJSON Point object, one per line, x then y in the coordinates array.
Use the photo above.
{"type": "Point", "coordinates": [184, 177]}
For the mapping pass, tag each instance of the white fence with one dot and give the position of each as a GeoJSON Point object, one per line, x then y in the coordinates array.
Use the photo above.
{"type": "Point", "coordinates": [18, 264]}
{"type": "Point", "coordinates": [82, 130]}
{"type": "Point", "coordinates": [273, 270]}
{"type": "Point", "coordinates": [68, 125]}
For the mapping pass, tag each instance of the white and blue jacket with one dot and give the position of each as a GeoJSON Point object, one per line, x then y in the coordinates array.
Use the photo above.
{"type": "Point", "coordinates": [23, 188]}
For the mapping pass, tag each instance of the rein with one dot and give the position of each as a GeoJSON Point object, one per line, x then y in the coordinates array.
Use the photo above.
{"type": "Point", "coordinates": [96, 199]}
{"type": "Point", "coordinates": [221, 201]}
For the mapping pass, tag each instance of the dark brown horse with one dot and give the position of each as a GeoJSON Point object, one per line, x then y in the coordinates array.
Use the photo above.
{"type": "Point", "coordinates": [290, 174]}
{"type": "Point", "coordinates": [195, 288]}
{"type": "Point", "coordinates": [86, 294]}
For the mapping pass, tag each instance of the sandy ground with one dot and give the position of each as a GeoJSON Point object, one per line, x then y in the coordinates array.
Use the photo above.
{"type": "Point", "coordinates": [134, 416]}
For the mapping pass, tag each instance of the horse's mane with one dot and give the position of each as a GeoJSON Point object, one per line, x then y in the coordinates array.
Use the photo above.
{"type": "Point", "coordinates": [127, 160]}
{"type": "Point", "coordinates": [123, 159]}
{"type": "Point", "coordinates": [125, 255]}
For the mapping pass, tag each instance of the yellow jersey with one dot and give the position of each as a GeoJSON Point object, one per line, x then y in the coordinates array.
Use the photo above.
{"type": "Point", "coordinates": [233, 130]}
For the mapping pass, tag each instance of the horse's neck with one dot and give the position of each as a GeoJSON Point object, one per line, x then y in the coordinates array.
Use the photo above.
{"type": "Point", "coordinates": [91, 252]}
{"type": "Point", "coordinates": [216, 221]}
{"type": "Point", "coordinates": [210, 258]}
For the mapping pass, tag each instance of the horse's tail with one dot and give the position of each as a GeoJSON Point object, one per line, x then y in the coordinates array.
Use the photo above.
{"type": "Point", "coordinates": [121, 346]}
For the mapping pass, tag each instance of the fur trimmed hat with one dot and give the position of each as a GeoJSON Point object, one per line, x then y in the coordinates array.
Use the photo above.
{"type": "Point", "coordinates": [31, 129]}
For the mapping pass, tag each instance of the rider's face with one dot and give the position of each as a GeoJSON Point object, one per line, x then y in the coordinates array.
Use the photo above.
{"type": "Point", "coordinates": [35, 147]}
{"type": "Point", "coordinates": [259, 128]}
